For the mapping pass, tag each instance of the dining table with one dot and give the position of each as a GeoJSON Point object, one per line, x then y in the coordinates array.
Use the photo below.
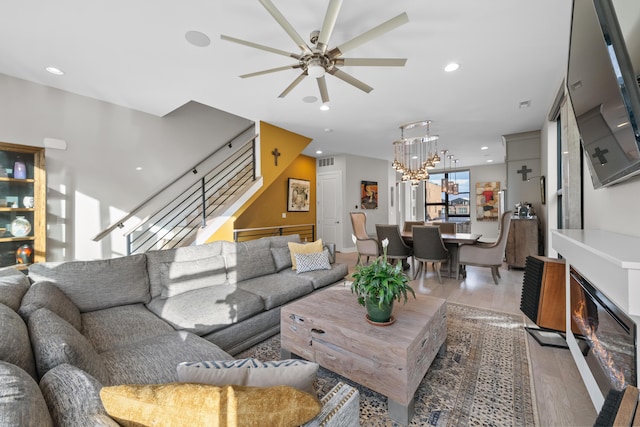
{"type": "Point", "coordinates": [452, 241]}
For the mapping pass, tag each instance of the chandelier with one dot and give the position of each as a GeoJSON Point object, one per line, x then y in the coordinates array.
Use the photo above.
{"type": "Point", "coordinates": [413, 157]}
{"type": "Point", "coordinates": [448, 185]}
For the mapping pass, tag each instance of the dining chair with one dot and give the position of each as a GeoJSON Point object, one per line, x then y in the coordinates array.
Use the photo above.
{"type": "Point", "coordinates": [397, 248]}
{"type": "Point", "coordinates": [365, 244]}
{"type": "Point", "coordinates": [488, 254]}
{"type": "Point", "coordinates": [408, 225]}
{"type": "Point", "coordinates": [429, 247]}
{"type": "Point", "coordinates": [446, 227]}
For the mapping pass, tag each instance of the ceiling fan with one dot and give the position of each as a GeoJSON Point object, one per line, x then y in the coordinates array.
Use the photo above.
{"type": "Point", "coordinates": [317, 60]}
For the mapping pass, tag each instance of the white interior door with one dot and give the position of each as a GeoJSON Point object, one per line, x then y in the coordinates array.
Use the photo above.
{"type": "Point", "coordinates": [329, 208]}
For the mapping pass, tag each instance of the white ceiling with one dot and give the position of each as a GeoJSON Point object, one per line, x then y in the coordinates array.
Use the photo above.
{"type": "Point", "coordinates": [134, 54]}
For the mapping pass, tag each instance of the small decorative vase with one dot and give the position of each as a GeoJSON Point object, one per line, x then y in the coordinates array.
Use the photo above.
{"type": "Point", "coordinates": [24, 254]}
{"type": "Point", "coordinates": [28, 201]}
{"type": "Point", "coordinates": [19, 169]}
{"type": "Point", "coordinates": [376, 314]}
{"type": "Point", "coordinates": [20, 227]}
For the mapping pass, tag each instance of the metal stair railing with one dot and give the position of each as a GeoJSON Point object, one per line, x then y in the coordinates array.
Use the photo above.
{"type": "Point", "coordinates": [177, 223]}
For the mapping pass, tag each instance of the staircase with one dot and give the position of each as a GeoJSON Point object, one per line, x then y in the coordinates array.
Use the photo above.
{"type": "Point", "coordinates": [179, 222]}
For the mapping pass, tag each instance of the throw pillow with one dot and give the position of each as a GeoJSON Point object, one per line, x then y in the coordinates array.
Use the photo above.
{"type": "Point", "coordinates": [21, 402]}
{"type": "Point", "coordinates": [180, 277]}
{"type": "Point", "coordinates": [180, 404]}
{"type": "Point", "coordinates": [303, 248]}
{"type": "Point", "coordinates": [46, 294]}
{"type": "Point", "coordinates": [313, 262]}
{"type": "Point", "coordinates": [282, 258]}
{"type": "Point", "coordinates": [251, 372]}
{"type": "Point", "coordinates": [13, 285]}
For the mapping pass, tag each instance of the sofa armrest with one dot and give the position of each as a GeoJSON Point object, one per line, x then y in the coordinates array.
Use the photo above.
{"type": "Point", "coordinates": [340, 407]}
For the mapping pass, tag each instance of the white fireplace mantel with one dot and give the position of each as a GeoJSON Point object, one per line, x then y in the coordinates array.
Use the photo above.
{"type": "Point", "coordinates": [611, 262]}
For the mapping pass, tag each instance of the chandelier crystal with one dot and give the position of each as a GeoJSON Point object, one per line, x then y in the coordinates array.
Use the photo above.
{"type": "Point", "coordinates": [414, 156]}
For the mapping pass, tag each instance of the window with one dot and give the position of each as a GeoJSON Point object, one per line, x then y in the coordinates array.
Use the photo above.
{"type": "Point", "coordinates": [442, 205]}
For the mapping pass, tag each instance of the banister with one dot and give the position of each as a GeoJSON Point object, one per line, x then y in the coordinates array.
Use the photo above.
{"type": "Point", "coordinates": [120, 222]}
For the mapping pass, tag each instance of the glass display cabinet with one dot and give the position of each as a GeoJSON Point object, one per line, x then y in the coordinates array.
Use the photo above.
{"type": "Point", "coordinates": [22, 205]}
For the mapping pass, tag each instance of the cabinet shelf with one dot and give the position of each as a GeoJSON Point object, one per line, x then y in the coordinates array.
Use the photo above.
{"type": "Point", "coordinates": [17, 239]}
{"type": "Point", "coordinates": [13, 193]}
{"type": "Point", "coordinates": [24, 181]}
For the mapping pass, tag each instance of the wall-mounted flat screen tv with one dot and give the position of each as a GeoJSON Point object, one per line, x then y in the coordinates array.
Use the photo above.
{"type": "Point", "coordinates": [602, 80]}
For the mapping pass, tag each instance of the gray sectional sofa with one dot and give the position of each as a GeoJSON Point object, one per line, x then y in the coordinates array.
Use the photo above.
{"type": "Point", "coordinates": [68, 329]}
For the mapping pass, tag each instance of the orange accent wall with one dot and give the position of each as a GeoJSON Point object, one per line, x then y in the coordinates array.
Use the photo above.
{"type": "Point", "coordinates": [265, 208]}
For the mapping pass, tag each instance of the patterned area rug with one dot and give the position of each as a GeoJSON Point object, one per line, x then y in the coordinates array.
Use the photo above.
{"type": "Point", "coordinates": [483, 380]}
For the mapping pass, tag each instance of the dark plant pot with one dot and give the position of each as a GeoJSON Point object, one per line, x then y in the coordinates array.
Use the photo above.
{"type": "Point", "coordinates": [377, 314]}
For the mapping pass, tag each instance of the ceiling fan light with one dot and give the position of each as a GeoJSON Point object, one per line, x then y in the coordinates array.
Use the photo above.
{"type": "Point", "coordinates": [315, 70]}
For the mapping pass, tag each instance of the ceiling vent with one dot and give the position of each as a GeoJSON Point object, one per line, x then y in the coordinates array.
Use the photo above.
{"type": "Point", "coordinates": [327, 161]}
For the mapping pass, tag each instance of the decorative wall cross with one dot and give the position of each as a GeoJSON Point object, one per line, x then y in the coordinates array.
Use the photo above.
{"type": "Point", "coordinates": [600, 155]}
{"type": "Point", "coordinates": [276, 154]}
{"type": "Point", "coordinates": [524, 171]}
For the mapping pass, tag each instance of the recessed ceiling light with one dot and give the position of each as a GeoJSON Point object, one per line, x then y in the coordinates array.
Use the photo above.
{"type": "Point", "coordinates": [54, 70]}
{"type": "Point", "coordinates": [328, 130]}
{"type": "Point", "coordinates": [139, 168]}
{"type": "Point", "coordinates": [451, 67]}
{"type": "Point", "coordinates": [309, 99]}
{"type": "Point", "coordinates": [325, 107]}
{"type": "Point", "coordinates": [318, 151]}
{"type": "Point", "coordinates": [525, 104]}
{"type": "Point", "coordinates": [489, 161]}
{"type": "Point", "coordinates": [197, 38]}
{"type": "Point", "coordinates": [484, 148]}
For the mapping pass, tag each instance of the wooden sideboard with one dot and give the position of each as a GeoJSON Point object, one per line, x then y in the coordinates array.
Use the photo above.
{"type": "Point", "coordinates": [522, 241]}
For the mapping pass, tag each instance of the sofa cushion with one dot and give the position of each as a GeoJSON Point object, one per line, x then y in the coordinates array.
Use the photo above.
{"type": "Point", "coordinates": [46, 294]}
{"type": "Point", "coordinates": [207, 405]}
{"type": "Point", "coordinates": [249, 263]}
{"type": "Point", "coordinates": [94, 285]}
{"type": "Point", "coordinates": [208, 309]}
{"type": "Point", "coordinates": [277, 289]}
{"type": "Point", "coordinates": [283, 241]}
{"type": "Point", "coordinates": [312, 262]}
{"type": "Point", "coordinates": [281, 257]}
{"type": "Point", "coordinates": [13, 285]}
{"type": "Point", "coordinates": [303, 248]}
{"type": "Point", "coordinates": [15, 346]}
{"type": "Point", "coordinates": [154, 360]}
{"type": "Point", "coordinates": [182, 276]}
{"type": "Point", "coordinates": [320, 278]}
{"type": "Point", "coordinates": [251, 372]}
{"type": "Point", "coordinates": [73, 398]}
{"type": "Point", "coordinates": [55, 342]}
{"type": "Point", "coordinates": [21, 402]}
{"type": "Point", "coordinates": [116, 327]}
{"type": "Point", "coordinates": [186, 253]}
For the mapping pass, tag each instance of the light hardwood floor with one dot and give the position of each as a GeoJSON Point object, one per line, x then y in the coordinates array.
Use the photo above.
{"type": "Point", "coordinates": [561, 397]}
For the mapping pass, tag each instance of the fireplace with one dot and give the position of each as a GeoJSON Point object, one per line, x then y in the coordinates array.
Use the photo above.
{"type": "Point", "coordinates": [607, 335]}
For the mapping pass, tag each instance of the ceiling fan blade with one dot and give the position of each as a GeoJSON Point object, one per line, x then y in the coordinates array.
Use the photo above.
{"type": "Point", "coordinates": [324, 93]}
{"type": "Point", "coordinates": [328, 24]}
{"type": "Point", "coordinates": [292, 85]}
{"type": "Point", "coordinates": [367, 36]}
{"type": "Point", "coordinates": [350, 79]}
{"type": "Point", "coordinates": [273, 10]}
{"type": "Point", "coordinates": [271, 70]}
{"type": "Point", "coordinates": [372, 62]}
{"type": "Point", "coordinates": [259, 46]}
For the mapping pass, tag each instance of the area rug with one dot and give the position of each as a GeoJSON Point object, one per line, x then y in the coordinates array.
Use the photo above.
{"type": "Point", "coordinates": [482, 380]}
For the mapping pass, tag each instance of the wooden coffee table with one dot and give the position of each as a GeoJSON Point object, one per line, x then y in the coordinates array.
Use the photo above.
{"type": "Point", "coordinates": [329, 328]}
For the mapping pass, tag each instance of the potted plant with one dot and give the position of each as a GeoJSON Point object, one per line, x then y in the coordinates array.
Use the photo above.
{"type": "Point", "coordinates": [378, 285]}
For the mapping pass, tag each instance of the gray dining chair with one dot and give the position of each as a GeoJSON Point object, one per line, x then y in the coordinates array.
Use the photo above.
{"type": "Point", "coordinates": [428, 247]}
{"type": "Point", "coordinates": [397, 249]}
{"type": "Point", "coordinates": [488, 254]}
{"type": "Point", "coordinates": [408, 225]}
{"type": "Point", "coordinates": [366, 245]}
{"type": "Point", "coordinates": [446, 227]}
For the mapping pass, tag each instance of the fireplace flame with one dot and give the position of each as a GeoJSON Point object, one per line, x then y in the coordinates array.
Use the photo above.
{"type": "Point", "coordinates": [587, 325]}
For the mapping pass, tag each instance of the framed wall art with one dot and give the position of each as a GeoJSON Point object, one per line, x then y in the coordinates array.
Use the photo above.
{"type": "Point", "coordinates": [369, 195]}
{"type": "Point", "coordinates": [299, 195]}
{"type": "Point", "coordinates": [487, 201]}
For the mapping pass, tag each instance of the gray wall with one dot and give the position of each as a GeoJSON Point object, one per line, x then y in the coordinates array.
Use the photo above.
{"type": "Point", "coordinates": [94, 181]}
